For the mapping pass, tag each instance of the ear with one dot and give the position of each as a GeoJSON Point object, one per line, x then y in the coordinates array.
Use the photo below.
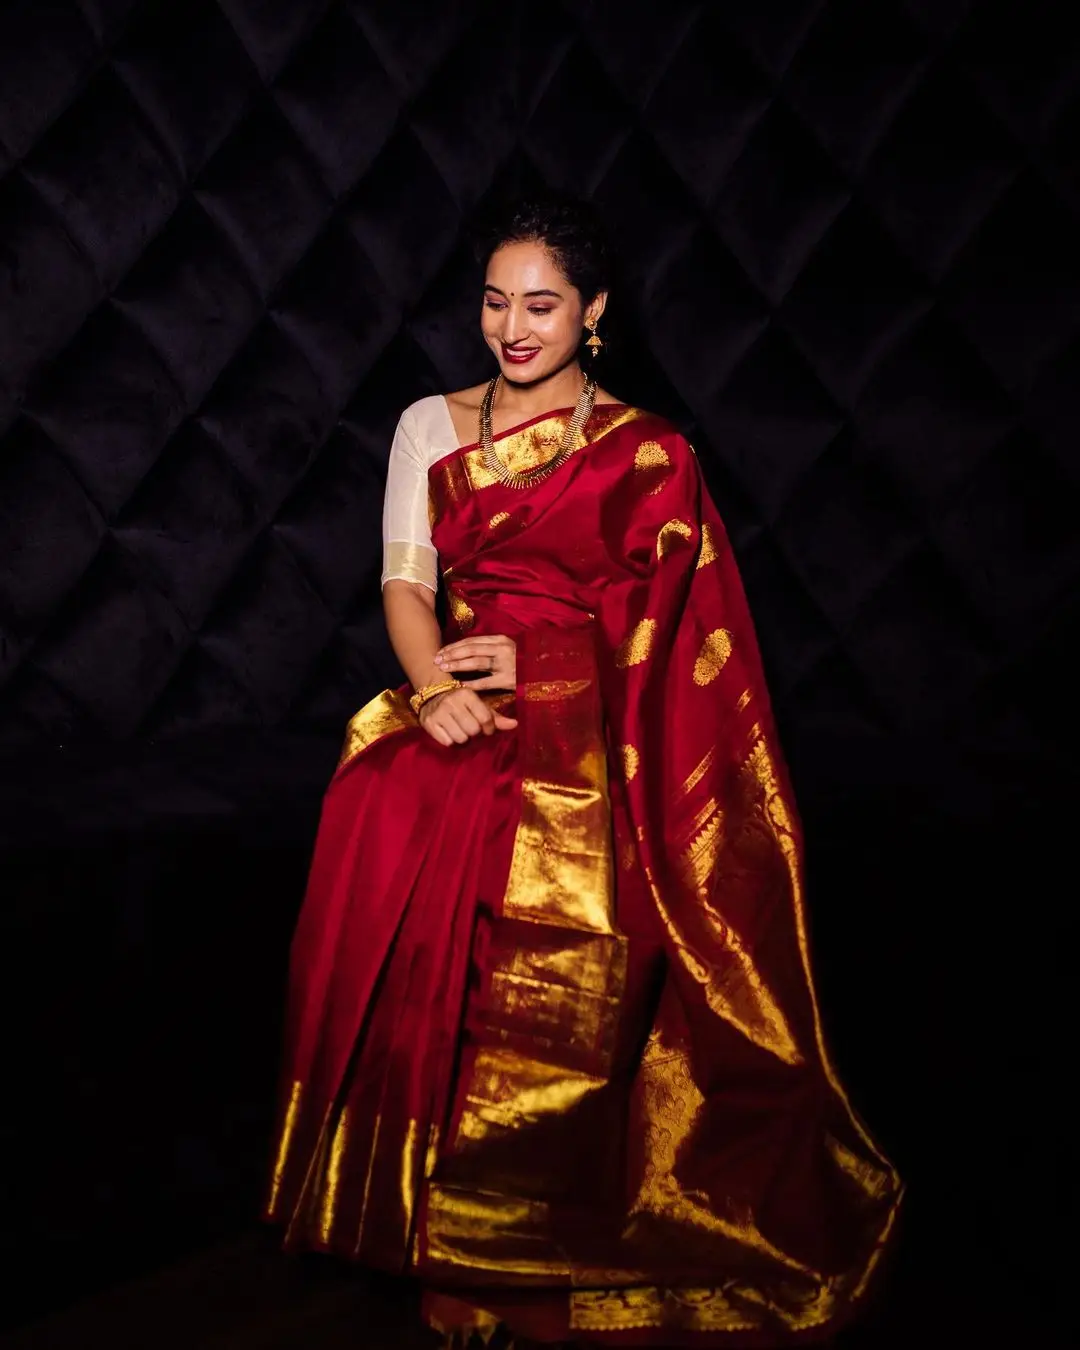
{"type": "Point", "coordinates": [595, 307]}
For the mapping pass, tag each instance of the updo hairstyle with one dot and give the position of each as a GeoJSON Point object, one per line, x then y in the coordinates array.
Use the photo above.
{"type": "Point", "coordinates": [568, 228]}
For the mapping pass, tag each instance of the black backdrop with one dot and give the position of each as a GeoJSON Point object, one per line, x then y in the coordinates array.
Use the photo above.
{"type": "Point", "coordinates": [232, 248]}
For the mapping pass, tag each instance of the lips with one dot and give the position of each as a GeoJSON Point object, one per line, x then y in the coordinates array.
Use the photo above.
{"type": "Point", "coordinates": [518, 356]}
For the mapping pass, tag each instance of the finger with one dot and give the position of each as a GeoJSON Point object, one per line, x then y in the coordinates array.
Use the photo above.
{"type": "Point", "coordinates": [504, 723]}
{"type": "Point", "coordinates": [448, 722]}
{"type": "Point", "coordinates": [465, 721]}
{"type": "Point", "coordinates": [479, 662]}
{"type": "Point", "coordinates": [477, 646]}
{"type": "Point", "coordinates": [482, 713]}
{"type": "Point", "coordinates": [446, 661]}
{"type": "Point", "coordinates": [436, 732]}
{"type": "Point", "coordinates": [452, 649]}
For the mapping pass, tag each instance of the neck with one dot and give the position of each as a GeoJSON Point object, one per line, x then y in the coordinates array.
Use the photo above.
{"type": "Point", "coordinates": [557, 390]}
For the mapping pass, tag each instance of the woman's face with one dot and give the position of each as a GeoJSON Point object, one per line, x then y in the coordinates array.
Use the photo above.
{"type": "Point", "coordinates": [532, 317]}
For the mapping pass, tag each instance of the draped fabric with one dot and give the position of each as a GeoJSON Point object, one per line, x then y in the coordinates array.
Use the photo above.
{"type": "Point", "coordinates": [553, 1039]}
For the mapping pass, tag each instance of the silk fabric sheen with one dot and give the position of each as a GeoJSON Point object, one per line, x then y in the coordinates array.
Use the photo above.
{"type": "Point", "coordinates": [553, 1043]}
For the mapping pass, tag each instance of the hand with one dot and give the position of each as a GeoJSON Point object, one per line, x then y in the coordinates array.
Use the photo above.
{"type": "Point", "coordinates": [495, 655]}
{"type": "Point", "coordinates": [456, 716]}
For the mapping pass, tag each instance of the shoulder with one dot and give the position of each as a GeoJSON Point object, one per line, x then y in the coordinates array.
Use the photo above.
{"type": "Point", "coordinates": [465, 400]}
{"type": "Point", "coordinates": [427, 423]}
{"type": "Point", "coordinates": [424, 432]}
{"type": "Point", "coordinates": [423, 411]}
{"type": "Point", "coordinates": [463, 410]}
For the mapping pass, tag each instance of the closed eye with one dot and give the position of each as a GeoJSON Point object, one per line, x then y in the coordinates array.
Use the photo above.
{"type": "Point", "coordinates": [533, 309]}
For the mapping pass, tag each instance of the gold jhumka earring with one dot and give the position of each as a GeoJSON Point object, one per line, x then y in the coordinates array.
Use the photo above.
{"type": "Point", "coordinates": [594, 343]}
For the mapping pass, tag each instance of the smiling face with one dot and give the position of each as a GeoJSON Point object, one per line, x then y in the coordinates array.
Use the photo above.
{"type": "Point", "coordinates": [532, 317]}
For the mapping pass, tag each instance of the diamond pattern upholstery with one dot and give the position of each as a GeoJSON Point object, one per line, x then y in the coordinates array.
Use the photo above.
{"type": "Point", "coordinates": [233, 248]}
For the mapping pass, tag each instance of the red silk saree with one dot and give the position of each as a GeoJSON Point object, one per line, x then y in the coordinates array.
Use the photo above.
{"type": "Point", "coordinates": [553, 1045]}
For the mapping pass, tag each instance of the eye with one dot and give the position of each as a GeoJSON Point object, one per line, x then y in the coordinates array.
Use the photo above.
{"type": "Point", "coordinates": [493, 304]}
{"type": "Point", "coordinates": [539, 309]}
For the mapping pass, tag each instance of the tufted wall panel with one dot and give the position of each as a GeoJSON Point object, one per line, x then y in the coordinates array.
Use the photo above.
{"type": "Point", "coordinates": [232, 248]}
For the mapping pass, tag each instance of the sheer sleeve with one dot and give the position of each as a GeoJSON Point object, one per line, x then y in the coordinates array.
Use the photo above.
{"type": "Point", "coordinates": [408, 553]}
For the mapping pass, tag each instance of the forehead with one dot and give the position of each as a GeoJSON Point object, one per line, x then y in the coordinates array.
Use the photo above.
{"type": "Point", "coordinates": [525, 265]}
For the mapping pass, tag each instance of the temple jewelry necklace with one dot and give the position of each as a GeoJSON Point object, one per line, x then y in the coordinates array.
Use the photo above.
{"type": "Point", "coordinates": [522, 478]}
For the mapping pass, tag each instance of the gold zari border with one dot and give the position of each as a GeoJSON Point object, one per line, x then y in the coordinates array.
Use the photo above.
{"type": "Point", "coordinates": [382, 716]}
{"type": "Point", "coordinates": [405, 561]}
{"type": "Point", "coordinates": [451, 479]}
{"type": "Point", "coordinates": [546, 1037]}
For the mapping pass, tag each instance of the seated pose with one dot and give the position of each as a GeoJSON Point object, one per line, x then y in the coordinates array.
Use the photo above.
{"type": "Point", "coordinates": [553, 1046]}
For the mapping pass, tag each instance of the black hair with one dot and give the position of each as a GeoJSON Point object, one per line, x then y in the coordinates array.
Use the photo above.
{"type": "Point", "coordinates": [570, 230]}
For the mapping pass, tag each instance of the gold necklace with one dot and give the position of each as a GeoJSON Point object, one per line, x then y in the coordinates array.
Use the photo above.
{"type": "Point", "coordinates": [522, 478]}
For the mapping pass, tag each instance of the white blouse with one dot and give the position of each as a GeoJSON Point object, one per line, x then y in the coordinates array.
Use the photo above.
{"type": "Point", "coordinates": [425, 433]}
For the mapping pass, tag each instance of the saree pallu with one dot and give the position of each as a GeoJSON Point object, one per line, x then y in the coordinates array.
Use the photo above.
{"type": "Point", "coordinates": [553, 1044]}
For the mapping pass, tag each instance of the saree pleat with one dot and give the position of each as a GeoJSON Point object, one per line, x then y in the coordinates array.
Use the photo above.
{"type": "Point", "coordinates": [391, 941]}
{"type": "Point", "coordinates": [399, 1083]}
{"type": "Point", "coordinates": [554, 1045]}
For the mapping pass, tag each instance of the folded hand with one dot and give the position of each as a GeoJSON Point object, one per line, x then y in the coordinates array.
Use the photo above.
{"type": "Point", "coordinates": [455, 717]}
{"type": "Point", "coordinates": [496, 656]}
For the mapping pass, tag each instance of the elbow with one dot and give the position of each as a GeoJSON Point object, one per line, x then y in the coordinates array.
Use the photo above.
{"type": "Point", "coordinates": [397, 592]}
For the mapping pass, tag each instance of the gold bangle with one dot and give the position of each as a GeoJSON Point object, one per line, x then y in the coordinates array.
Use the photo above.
{"type": "Point", "coordinates": [430, 691]}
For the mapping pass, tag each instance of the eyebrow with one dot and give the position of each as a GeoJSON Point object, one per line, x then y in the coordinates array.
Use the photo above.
{"type": "Point", "coordinates": [528, 294]}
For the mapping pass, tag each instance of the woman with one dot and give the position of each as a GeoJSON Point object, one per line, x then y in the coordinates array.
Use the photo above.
{"type": "Point", "coordinates": [553, 1045]}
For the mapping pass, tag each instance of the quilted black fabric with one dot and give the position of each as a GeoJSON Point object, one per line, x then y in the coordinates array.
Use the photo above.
{"type": "Point", "coordinates": [232, 247]}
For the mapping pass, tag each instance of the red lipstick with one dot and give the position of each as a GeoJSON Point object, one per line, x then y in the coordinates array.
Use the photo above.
{"type": "Point", "coordinates": [518, 356]}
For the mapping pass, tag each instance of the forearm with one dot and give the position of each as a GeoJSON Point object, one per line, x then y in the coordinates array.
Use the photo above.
{"type": "Point", "coordinates": [414, 631]}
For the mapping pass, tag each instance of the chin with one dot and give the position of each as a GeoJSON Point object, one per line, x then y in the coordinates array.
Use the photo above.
{"type": "Point", "coordinates": [540, 368]}
{"type": "Point", "coordinates": [529, 374]}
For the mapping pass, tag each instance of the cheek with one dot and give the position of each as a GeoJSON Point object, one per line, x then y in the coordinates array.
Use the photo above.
{"type": "Point", "coordinates": [556, 330]}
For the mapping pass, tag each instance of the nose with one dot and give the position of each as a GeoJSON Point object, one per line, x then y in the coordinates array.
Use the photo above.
{"type": "Point", "coordinates": [515, 325]}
